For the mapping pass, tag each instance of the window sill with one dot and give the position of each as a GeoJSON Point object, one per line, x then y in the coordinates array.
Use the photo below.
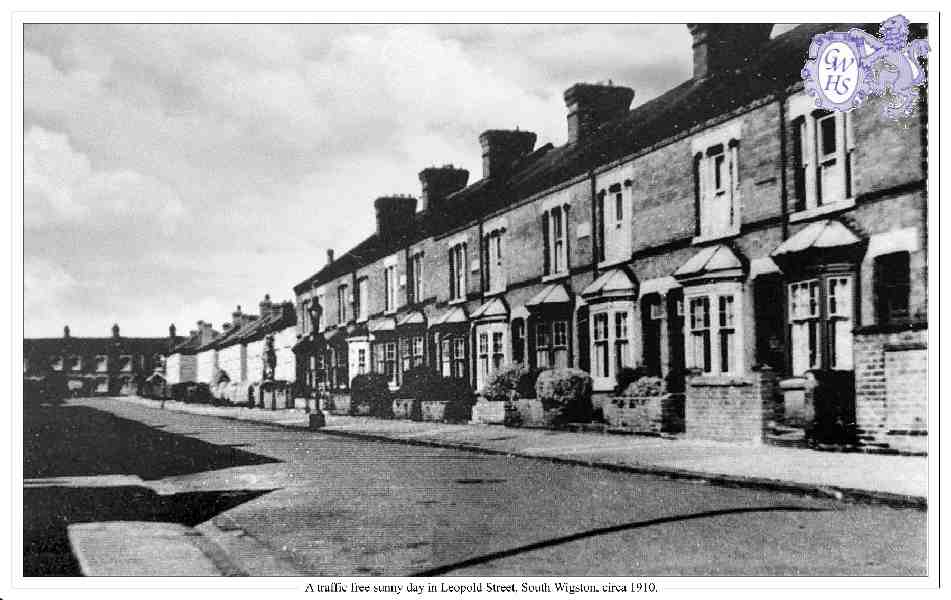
{"type": "Point", "coordinates": [555, 277]}
{"type": "Point", "coordinates": [818, 211]}
{"type": "Point", "coordinates": [714, 237]}
{"type": "Point", "coordinates": [721, 380]}
{"type": "Point", "coordinates": [609, 264]}
{"type": "Point", "coordinates": [495, 292]}
{"type": "Point", "coordinates": [457, 302]}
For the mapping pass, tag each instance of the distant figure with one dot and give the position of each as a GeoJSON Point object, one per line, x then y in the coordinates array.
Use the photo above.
{"type": "Point", "coordinates": [270, 358]}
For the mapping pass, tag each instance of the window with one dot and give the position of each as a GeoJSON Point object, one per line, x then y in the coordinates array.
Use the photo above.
{"type": "Point", "coordinates": [342, 304]}
{"type": "Point", "coordinates": [821, 326]}
{"type": "Point", "coordinates": [363, 299]}
{"type": "Point", "coordinates": [74, 363]}
{"type": "Point", "coordinates": [453, 356]}
{"type": "Point", "coordinates": [411, 352]}
{"type": "Point", "coordinates": [56, 363]}
{"type": "Point", "coordinates": [102, 385]}
{"type": "Point", "coordinates": [483, 357]}
{"type": "Point", "coordinates": [823, 148]}
{"type": "Point", "coordinates": [727, 333]}
{"type": "Point", "coordinates": [318, 321]}
{"type": "Point", "coordinates": [551, 344]}
{"type": "Point", "coordinates": [389, 287]}
{"type": "Point", "coordinates": [386, 361]}
{"type": "Point", "coordinates": [459, 357]}
{"type": "Point", "coordinates": [621, 358]}
{"type": "Point", "coordinates": [457, 272]}
{"type": "Point", "coordinates": [518, 340]}
{"type": "Point", "coordinates": [614, 231]}
{"type": "Point", "coordinates": [717, 190]}
{"type": "Point", "coordinates": [495, 279]}
{"type": "Point", "coordinates": [414, 291]}
{"type": "Point", "coordinates": [542, 346]}
{"type": "Point", "coordinates": [610, 339]}
{"type": "Point", "coordinates": [102, 363]}
{"type": "Point", "coordinates": [700, 334]}
{"type": "Point", "coordinates": [892, 288]}
{"type": "Point", "coordinates": [601, 361]}
{"type": "Point", "coordinates": [498, 350]}
{"type": "Point", "coordinates": [554, 230]}
{"type": "Point", "coordinates": [361, 361]}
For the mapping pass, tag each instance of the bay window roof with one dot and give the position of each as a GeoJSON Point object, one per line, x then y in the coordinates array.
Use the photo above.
{"type": "Point", "coordinates": [718, 261]}
{"type": "Point", "coordinates": [493, 308]}
{"type": "Point", "coordinates": [612, 284]}
{"type": "Point", "coordinates": [554, 293]}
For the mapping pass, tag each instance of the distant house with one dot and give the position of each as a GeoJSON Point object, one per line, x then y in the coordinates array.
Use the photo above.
{"type": "Point", "coordinates": [104, 366]}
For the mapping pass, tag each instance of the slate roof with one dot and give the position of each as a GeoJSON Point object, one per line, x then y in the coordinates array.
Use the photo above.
{"type": "Point", "coordinates": [98, 345]}
{"type": "Point", "coordinates": [774, 68]}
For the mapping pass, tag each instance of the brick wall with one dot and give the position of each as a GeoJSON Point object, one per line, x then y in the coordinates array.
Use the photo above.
{"type": "Point", "coordinates": [891, 388]}
{"type": "Point", "coordinates": [730, 409]}
{"type": "Point", "coordinates": [286, 368]}
{"type": "Point", "coordinates": [207, 366]}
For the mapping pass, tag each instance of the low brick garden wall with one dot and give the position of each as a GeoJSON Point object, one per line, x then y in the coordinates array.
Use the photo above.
{"type": "Point", "coordinates": [403, 408]}
{"type": "Point", "coordinates": [730, 409]}
{"type": "Point", "coordinates": [649, 414]}
{"type": "Point", "coordinates": [433, 410]}
{"type": "Point", "coordinates": [488, 412]}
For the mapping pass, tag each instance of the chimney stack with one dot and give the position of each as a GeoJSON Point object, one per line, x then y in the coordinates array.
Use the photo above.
{"type": "Point", "coordinates": [171, 331]}
{"type": "Point", "coordinates": [264, 307]}
{"type": "Point", "coordinates": [66, 332]}
{"type": "Point", "coordinates": [590, 105]}
{"type": "Point", "coordinates": [439, 182]}
{"type": "Point", "coordinates": [206, 332]}
{"type": "Point", "coordinates": [330, 256]}
{"type": "Point", "coordinates": [501, 148]}
{"type": "Point", "coordinates": [394, 214]}
{"type": "Point", "coordinates": [236, 316]}
{"type": "Point", "coordinates": [721, 47]}
{"type": "Point", "coordinates": [115, 330]}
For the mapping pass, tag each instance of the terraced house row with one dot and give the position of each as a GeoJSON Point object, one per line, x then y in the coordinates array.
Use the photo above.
{"type": "Point", "coordinates": [726, 235]}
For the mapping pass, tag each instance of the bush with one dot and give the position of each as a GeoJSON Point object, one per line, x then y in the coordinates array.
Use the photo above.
{"type": "Point", "coordinates": [511, 380]}
{"type": "Point", "coordinates": [420, 383]}
{"type": "Point", "coordinates": [459, 400]}
{"type": "Point", "coordinates": [625, 377]}
{"type": "Point", "coordinates": [371, 391]}
{"type": "Point", "coordinates": [646, 387]}
{"type": "Point", "coordinates": [565, 395]}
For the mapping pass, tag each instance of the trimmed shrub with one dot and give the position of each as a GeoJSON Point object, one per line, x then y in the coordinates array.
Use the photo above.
{"type": "Point", "coordinates": [565, 395]}
{"type": "Point", "coordinates": [371, 391]}
{"type": "Point", "coordinates": [511, 380]}
{"type": "Point", "coordinates": [646, 387]}
{"type": "Point", "coordinates": [625, 377]}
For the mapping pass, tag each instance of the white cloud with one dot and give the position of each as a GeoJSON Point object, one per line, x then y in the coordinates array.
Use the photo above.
{"type": "Point", "coordinates": [61, 186]}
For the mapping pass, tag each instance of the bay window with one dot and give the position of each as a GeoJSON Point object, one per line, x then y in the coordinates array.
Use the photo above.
{"type": "Point", "coordinates": [386, 361]}
{"type": "Point", "coordinates": [820, 323]}
{"type": "Point", "coordinates": [610, 339]}
{"type": "Point", "coordinates": [452, 355]}
{"type": "Point", "coordinates": [712, 329]}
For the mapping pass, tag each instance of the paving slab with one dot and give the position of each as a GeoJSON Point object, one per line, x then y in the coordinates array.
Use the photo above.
{"type": "Point", "coordinates": [146, 549]}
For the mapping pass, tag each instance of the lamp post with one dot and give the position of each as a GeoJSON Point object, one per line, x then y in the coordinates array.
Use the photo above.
{"type": "Point", "coordinates": [317, 419]}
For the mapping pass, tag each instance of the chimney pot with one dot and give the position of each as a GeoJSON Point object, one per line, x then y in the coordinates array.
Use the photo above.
{"type": "Point", "coordinates": [590, 105]}
{"type": "Point", "coordinates": [501, 148]}
{"type": "Point", "coordinates": [439, 182]}
{"type": "Point", "coordinates": [115, 330]}
{"type": "Point", "coordinates": [394, 214]}
{"type": "Point", "coordinates": [171, 330]}
{"type": "Point", "coordinates": [330, 256]}
{"type": "Point", "coordinates": [720, 47]}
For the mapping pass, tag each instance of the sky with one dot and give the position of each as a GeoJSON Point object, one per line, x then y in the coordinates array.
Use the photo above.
{"type": "Point", "coordinates": [173, 172]}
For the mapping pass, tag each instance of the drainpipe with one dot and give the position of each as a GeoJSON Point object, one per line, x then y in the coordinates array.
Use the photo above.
{"type": "Point", "coordinates": [594, 225]}
{"type": "Point", "coordinates": [784, 165]}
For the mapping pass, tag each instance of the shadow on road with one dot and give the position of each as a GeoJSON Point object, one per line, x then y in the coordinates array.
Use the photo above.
{"type": "Point", "coordinates": [70, 440]}
{"type": "Point", "coordinates": [48, 511]}
{"type": "Point", "coordinates": [478, 560]}
{"type": "Point", "coordinates": [62, 440]}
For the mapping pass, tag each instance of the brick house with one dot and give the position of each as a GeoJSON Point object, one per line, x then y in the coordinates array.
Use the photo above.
{"type": "Point", "coordinates": [725, 235]}
{"type": "Point", "coordinates": [181, 364]}
{"type": "Point", "coordinates": [103, 366]}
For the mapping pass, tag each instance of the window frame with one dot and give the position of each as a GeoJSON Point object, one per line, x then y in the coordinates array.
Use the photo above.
{"type": "Point", "coordinates": [823, 318]}
{"type": "Point", "coordinates": [714, 347]}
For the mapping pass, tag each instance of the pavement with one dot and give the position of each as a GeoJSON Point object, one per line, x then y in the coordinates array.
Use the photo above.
{"type": "Point", "coordinates": [117, 486]}
{"type": "Point", "coordinates": [897, 480]}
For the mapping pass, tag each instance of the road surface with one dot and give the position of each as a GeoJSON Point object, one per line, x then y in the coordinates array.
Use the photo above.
{"type": "Point", "coordinates": [310, 503]}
